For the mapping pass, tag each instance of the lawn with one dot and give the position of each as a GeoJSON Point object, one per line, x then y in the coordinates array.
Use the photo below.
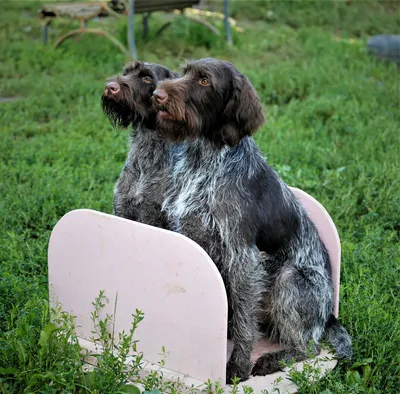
{"type": "Point", "coordinates": [333, 130]}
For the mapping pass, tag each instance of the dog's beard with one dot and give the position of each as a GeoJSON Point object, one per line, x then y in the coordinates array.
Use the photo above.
{"type": "Point", "coordinates": [177, 123]}
{"type": "Point", "coordinates": [172, 130]}
{"type": "Point", "coordinates": [119, 114]}
{"type": "Point", "coordinates": [176, 131]}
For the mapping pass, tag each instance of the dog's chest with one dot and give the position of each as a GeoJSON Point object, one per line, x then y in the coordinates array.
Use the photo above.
{"type": "Point", "coordinates": [195, 194]}
{"type": "Point", "coordinates": [192, 192]}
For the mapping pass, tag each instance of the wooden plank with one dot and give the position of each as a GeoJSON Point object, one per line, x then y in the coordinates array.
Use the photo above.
{"type": "Point", "coordinates": [90, 10]}
{"type": "Point", "coordinates": [139, 9]}
{"type": "Point", "coordinates": [74, 11]}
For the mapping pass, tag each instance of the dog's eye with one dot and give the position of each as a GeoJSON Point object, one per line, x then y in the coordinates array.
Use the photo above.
{"type": "Point", "coordinates": [146, 79]}
{"type": "Point", "coordinates": [204, 81]}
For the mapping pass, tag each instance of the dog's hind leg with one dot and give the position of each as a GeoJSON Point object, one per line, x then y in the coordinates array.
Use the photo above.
{"type": "Point", "coordinates": [299, 305]}
{"type": "Point", "coordinates": [334, 334]}
{"type": "Point", "coordinates": [271, 362]}
{"type": "Point", "coordinates": [338, 337]}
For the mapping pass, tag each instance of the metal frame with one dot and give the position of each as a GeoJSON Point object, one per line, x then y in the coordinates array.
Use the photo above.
{"type": "Point", "coordinates": [227, 24]}
{"type": "Point", "coordinates": [131, 26]}
{"type": "Point", "coordinates": [131, 29]}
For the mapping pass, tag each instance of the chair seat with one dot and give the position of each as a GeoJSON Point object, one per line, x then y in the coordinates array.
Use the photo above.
{"type": "Point", "coordinates": [167, 276]}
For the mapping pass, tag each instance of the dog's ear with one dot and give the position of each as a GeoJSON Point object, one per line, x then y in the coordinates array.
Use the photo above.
{"type": "Point", "coordinates": [163, 72]}
{"type": "Point", "coordinates": [168, 74]}
{"type": "Point", "coordinates": [173, 75]}
{"type": "Point", "coordinates": [243, 114]}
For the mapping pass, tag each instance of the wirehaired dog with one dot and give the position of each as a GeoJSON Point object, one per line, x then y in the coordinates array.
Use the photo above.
{"type": "Point", "coordinates": [126, 101]}
{"type": "Point", "coordinates": [223, 195]}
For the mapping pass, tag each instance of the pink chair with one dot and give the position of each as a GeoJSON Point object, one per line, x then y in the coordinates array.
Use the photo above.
{"type": "Point", "coordinates": [171, 279]}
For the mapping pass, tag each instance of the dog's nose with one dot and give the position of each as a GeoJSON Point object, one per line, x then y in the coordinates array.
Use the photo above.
{"type": "Point", "coordinates": [113, 87]}
{"type": "Point", "coordinates": [161, 96]}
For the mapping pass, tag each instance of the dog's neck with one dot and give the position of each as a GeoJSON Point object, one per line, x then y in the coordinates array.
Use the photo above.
{"type": "Point", "coordinates": [147, 146]}
{"type": "Point", "coordinates": [206, 148]}
{"type": "Point", "coordinates": [204, 155]}
{"type": "Point", "coordinates": [146, 130]}
{"type": "Point", "coordinates": [144, 123]}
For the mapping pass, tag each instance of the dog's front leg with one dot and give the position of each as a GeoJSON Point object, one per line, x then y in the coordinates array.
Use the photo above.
{"type": "Point", "coordinates": [125, 207]}
{"type": "Point", "coordinates": [244, 285]}
{"type": "Point", "coordinates": [127, 200]}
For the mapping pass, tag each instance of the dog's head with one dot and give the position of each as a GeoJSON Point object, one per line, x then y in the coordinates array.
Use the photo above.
{"type": "Point", "coordinates": [211, 100]}
{"type": "Point", "coordinates": [126, 97]}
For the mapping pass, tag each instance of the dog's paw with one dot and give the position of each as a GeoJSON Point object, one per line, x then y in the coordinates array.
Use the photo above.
{"type": "Point", "coordinates": [237, 370]}
{"type": "Point", "coordinates": [265, 365]}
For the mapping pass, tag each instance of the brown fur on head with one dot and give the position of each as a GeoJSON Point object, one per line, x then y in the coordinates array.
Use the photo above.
{"type": "Point", "coordinates": [212, 100]}
{"type": "Point", "coordinates": [126, 98]}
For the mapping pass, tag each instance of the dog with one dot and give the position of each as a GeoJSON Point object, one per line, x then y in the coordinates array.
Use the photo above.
{"type": "Point", "coordinates": [126, 101]}
{"type": "Point", "coordinates": [223, 195]}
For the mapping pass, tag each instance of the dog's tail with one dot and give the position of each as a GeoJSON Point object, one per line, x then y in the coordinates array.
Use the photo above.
{"type": "Point", "coordinates": [338, 337]}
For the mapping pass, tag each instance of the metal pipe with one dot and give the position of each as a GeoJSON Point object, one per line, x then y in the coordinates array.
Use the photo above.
{"type": "Point", "coordinates": [146, 25]}
{"type": "Point", "coordinates": [131, 29]}
{"type": "Point", "coordinates": [227, 24]}
{"type": "Point", "coordinates": [45, 32]}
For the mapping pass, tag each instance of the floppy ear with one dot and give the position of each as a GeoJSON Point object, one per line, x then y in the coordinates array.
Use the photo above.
{"type": "Point", "coordinates": [168, 74]}
{"type": "Point", "coordinates": [243, 114]}
{"type": "Point", "coordinates": [173, 75]}
{"type": "Point", "coordinates": [163, 72]}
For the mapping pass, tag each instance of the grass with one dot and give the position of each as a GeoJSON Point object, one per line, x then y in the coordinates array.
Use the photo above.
{"type": "Point", "coordinates": [333, 130]}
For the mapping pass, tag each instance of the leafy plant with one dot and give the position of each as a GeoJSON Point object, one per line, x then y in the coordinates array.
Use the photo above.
{"type": "Point", "coordinates": [113, 372]}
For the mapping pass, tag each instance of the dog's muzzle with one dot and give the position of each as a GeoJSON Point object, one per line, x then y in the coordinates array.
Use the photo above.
{"type": "Point", "coordinates": [112, 88]}
{"type": "Point", "coordinates": [160, 96]}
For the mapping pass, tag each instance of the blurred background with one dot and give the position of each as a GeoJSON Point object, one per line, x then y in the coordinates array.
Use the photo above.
{"type": "Point", "coordinates": [333, 113]}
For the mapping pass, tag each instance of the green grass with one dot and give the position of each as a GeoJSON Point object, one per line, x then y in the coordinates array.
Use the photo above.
{"type": "Point", "coordinates": [333, 130]}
